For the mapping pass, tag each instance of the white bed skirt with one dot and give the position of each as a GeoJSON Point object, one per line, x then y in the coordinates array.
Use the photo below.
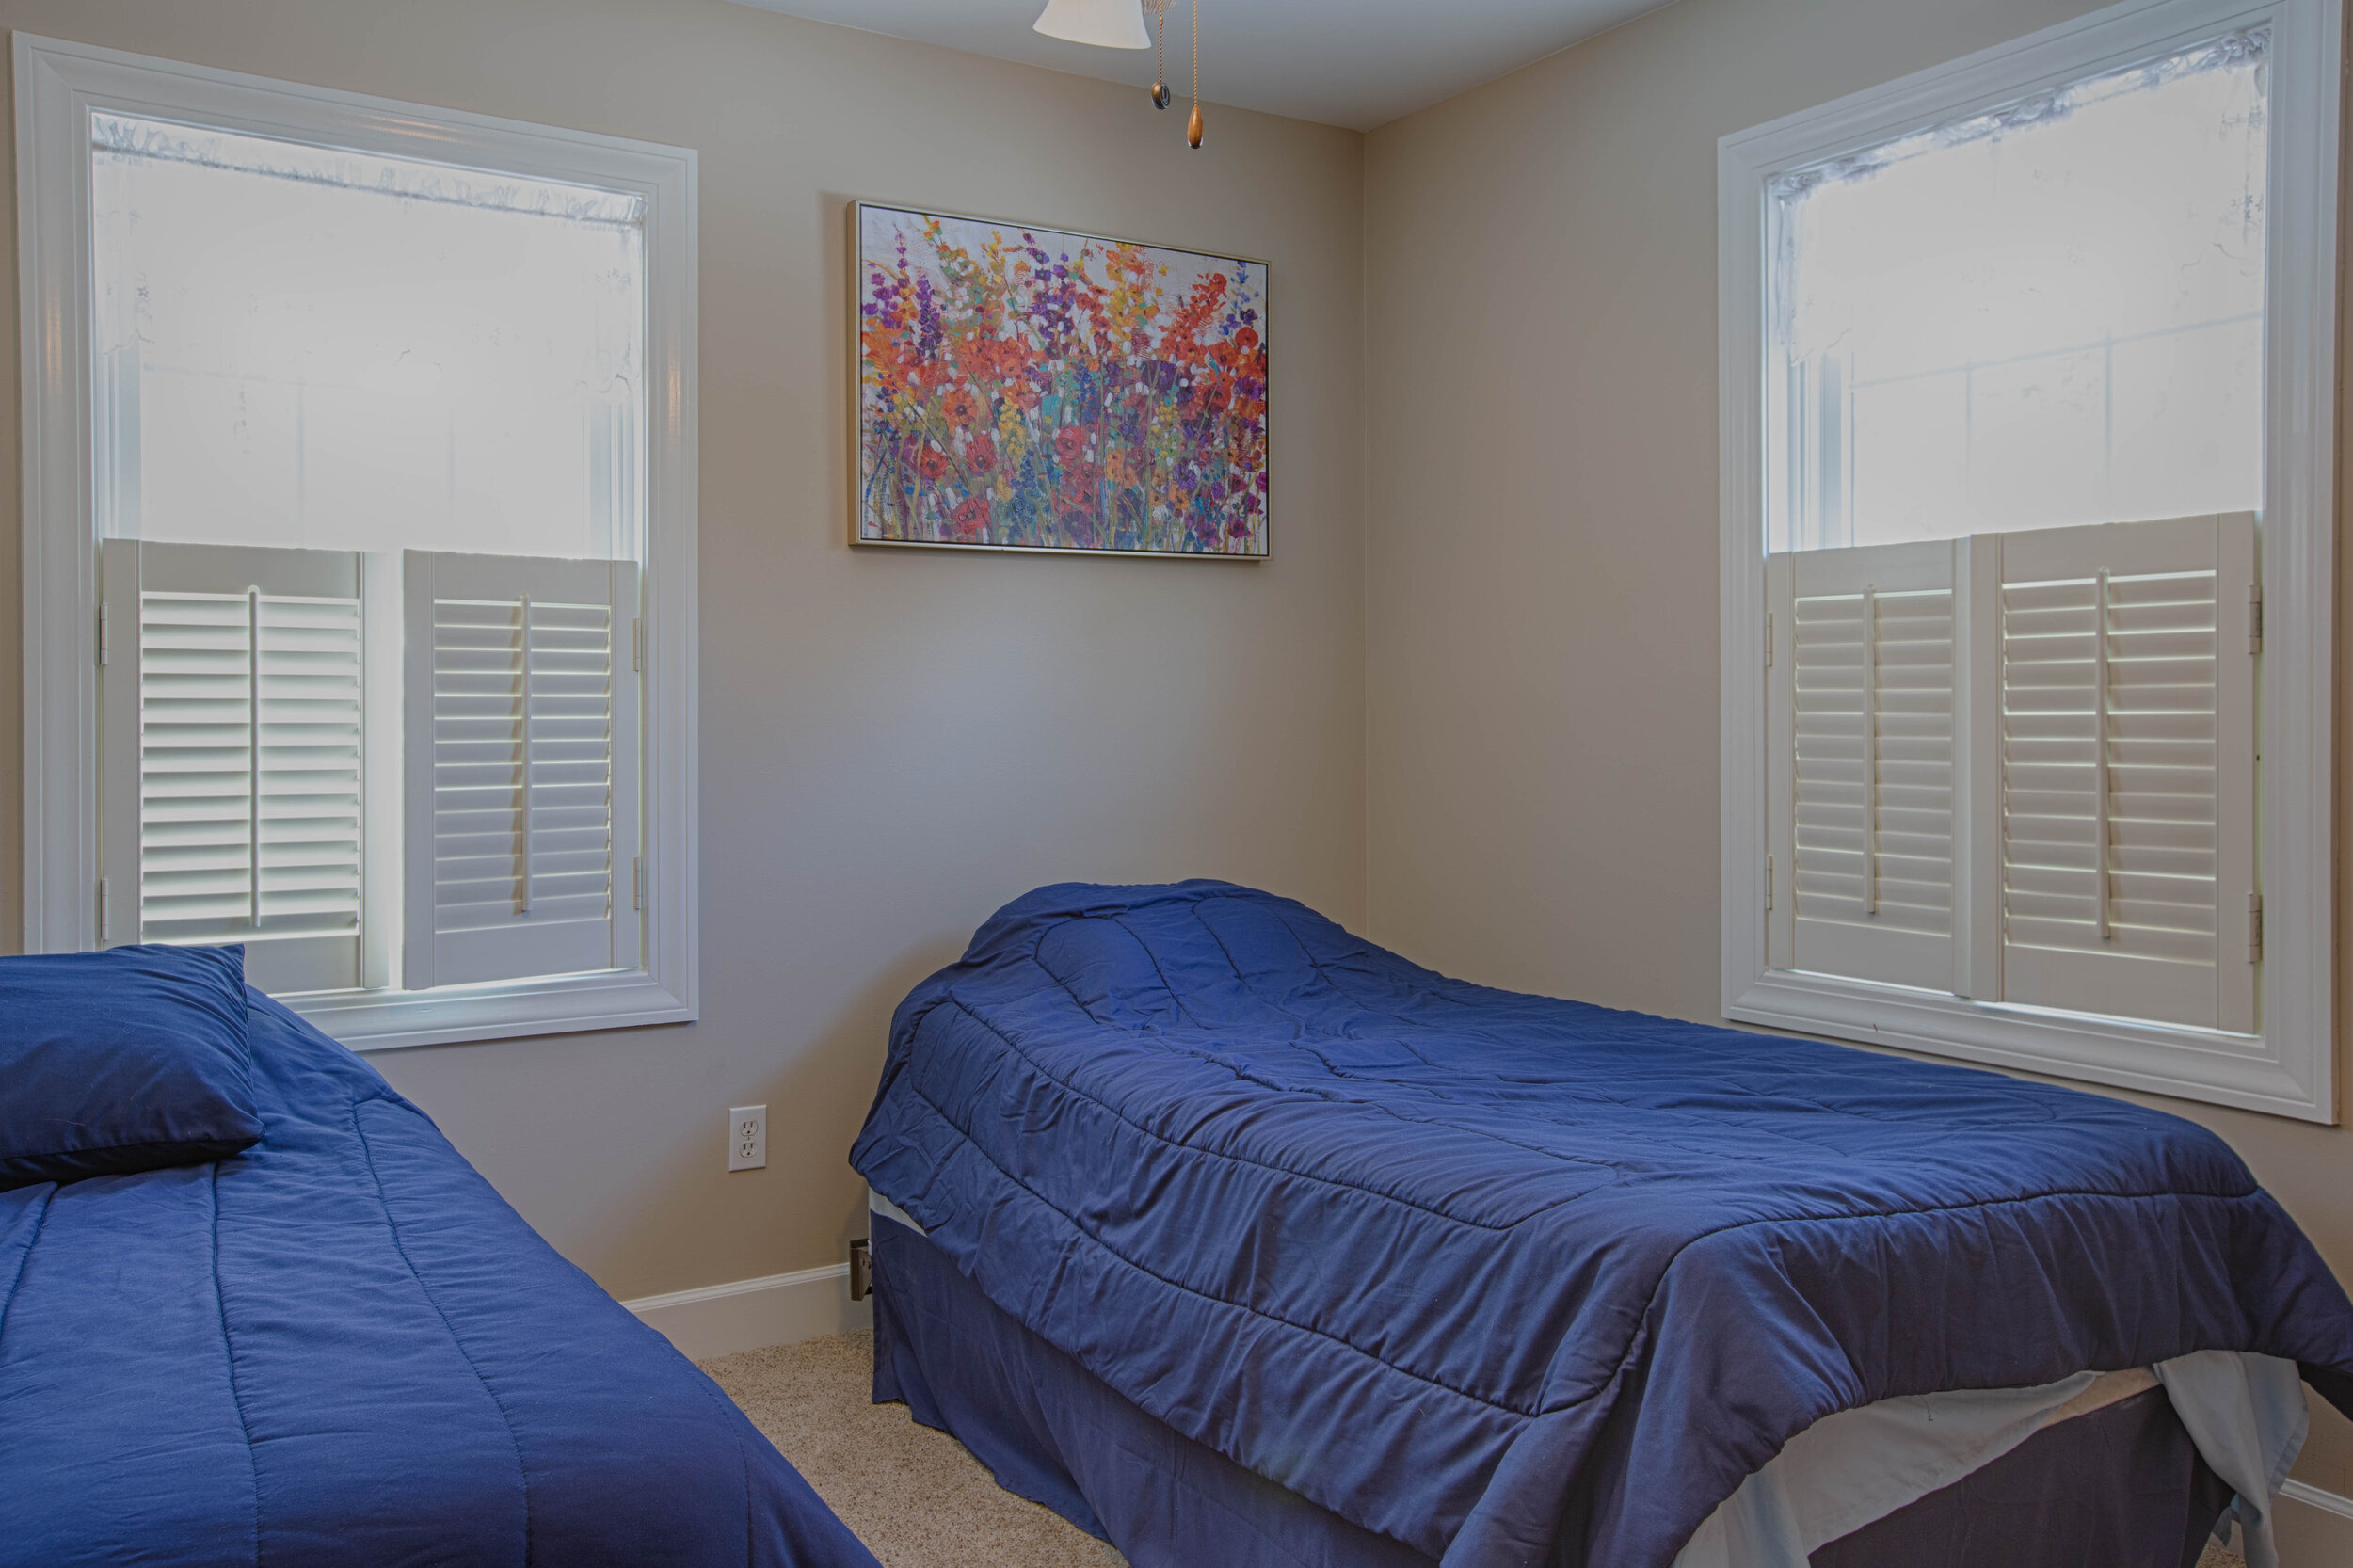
{"type": "Point", "coordinates": [2246, 1413]}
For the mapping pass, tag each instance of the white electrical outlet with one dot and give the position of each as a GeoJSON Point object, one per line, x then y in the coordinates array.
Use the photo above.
{"type": "Point", "coordinates": [747, 1137]}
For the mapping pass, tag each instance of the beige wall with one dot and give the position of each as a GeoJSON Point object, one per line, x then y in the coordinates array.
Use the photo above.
{"type": "Point", "coordinates": [893, 743]}
{"type": "Point", "coordinates": [1541, 506]}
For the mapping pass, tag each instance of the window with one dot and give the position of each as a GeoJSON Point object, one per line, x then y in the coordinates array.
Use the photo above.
{"type": "Point", "coordinates": [2051, 313]}
{"type": "Point", "coordinates": [2027, 538]}
{"type": "Point", "coordinates": [386, 534]}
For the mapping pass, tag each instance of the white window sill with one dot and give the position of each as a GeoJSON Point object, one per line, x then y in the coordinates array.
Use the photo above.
{"type": "Point", "coordinates": [505, 1010]}
{"type": "Point", "coordinates": [2241, 1070]}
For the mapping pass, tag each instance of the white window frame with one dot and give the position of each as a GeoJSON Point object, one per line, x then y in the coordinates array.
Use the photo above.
{"type": "Point", "coordinates": [2288, 1069]}
{"type": "Point", "coordinates": [59, 86]}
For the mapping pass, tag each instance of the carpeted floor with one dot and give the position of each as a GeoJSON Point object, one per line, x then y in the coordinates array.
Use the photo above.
{"type": "Point", "coordinates": [911, 1493]}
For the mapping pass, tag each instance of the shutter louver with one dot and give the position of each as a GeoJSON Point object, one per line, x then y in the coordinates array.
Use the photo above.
{"type": "Point", "coordinates": [2126, 769]}
{"type": "Point", "coordinates": [233, 711]}
{"type": "Point", "coordinates": [521, 750]}
{"type": "Point", "coordinates": [1863, 730]}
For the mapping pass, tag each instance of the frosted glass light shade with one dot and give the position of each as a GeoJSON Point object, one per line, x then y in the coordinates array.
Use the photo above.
{"type": "Point", "coordinates": [1107, 23]}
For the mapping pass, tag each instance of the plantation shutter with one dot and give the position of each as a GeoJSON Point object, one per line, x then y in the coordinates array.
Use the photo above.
{"type": "Point", "coordinates": [522, 752]}
{"type": "Point", "coordinates": [231, 689]}
{"type": "Point", "coordinates": [1862, 749]}
{"type": "Point", "coordinates": [2121, 786]}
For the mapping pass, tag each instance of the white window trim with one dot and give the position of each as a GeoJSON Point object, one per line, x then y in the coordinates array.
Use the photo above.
{"type": "Point", "coordinates": [57, 87]}
{"type": "Point", "coordinates": [2289, 1069]}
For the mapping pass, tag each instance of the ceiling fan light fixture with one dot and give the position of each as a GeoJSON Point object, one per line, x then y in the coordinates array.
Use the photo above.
{"type": "Point", "coordinates": [1106, 24]}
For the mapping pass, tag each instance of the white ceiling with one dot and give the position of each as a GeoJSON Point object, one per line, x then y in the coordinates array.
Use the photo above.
{"type": "Point", "coordinates": [1358, 63]}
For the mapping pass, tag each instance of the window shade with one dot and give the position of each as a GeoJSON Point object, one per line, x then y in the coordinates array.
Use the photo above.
{"type": "Point", "coordinates": [231, 691]}
{"type": "Point", "coordinates": [520, 724]}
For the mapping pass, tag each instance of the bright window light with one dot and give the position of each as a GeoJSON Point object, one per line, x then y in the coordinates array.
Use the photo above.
{"type": "Point", "coordinates": [305, 346]}
{"type": "Point", "coordinates": [2046, 316]}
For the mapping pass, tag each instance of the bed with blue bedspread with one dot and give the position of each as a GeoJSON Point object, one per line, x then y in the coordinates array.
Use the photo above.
{"type": "Point", "coordinates": [333, 1343]}
{"type": "Point", "coordinates": [1509, 1280]}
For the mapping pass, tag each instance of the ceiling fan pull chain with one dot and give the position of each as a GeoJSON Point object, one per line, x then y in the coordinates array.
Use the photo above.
{"type": "Point", "coordinates": [1161, 95]}
{"type": "Point", "coordinates": [1192, 128]}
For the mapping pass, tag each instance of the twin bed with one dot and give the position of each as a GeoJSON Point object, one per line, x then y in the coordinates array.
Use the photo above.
{"type": "Point", "coordinates": [1240, 1241]}
{"type": "Point", "coordinates": [335, 1346]}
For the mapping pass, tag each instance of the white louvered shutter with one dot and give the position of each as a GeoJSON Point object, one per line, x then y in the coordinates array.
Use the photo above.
{"type": "Point", "coordinates": [521, 753]}
{"type": "Point", "coordinates": [2120, 794]}
{"type": "Point", "coordinates": [231, 744]}
{"type": "Point", "coordinates": [1862, 749]}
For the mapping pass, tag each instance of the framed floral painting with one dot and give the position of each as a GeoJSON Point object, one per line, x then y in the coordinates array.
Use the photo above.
{"type": "Point", "coordinates": [1021, 388]}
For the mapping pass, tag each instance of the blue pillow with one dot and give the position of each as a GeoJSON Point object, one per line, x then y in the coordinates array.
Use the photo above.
{"type": "Point", "coordinates": [126, 1059]}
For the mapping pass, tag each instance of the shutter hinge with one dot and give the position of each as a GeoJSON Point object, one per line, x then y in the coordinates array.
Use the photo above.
{"type": "Point", "coordinates": [106, 909]}
{"type": "Point", "coordinates": [2254, 928]}
{"type": "Point", "coordinates": [1769, 882]}
{"type": "Point", "coordinates": [2254, 618]}
{"type": "Point", "coordinates": [106, 639]}
{"type": "Point", "coordinates": [638, 645]}
{"type": "Point", "coordinates": [636, 881]}
{"type": "Point", "coordinates": [1768, 639]}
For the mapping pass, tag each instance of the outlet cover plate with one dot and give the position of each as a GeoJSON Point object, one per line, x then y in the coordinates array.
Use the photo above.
{"type": "Point", "coordinates": [747, 1137]}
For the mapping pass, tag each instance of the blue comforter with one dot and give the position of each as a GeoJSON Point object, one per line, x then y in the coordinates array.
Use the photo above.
{"type": "Point", "coordinates": [1515, 1280]}
{"type": "Point", "coordinates": [341, 1347]}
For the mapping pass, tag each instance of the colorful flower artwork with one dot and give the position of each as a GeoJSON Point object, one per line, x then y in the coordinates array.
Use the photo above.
{"type": "Point", "coordinates": [1026, 389]}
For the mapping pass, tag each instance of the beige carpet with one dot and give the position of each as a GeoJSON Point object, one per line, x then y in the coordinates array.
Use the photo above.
{"type": "Point", "coordinates": [913, 1494]}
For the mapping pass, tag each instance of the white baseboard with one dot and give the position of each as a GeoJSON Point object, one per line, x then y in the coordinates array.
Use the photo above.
{"type": "Point", "coordinates": [747, 1313]}
{"type": "Point", "coordinates": [2328, 1502]}
{"type": "Point", "coordinates": [2314, 1528]}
